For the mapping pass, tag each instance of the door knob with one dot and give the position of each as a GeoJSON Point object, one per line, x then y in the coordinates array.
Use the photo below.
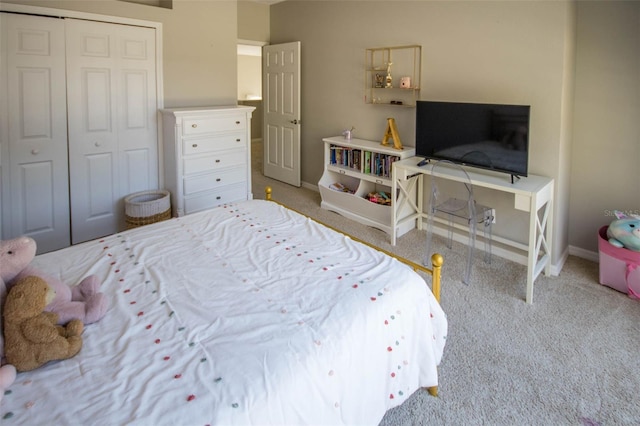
{"type": "Point", "coordinates": [295, 121]}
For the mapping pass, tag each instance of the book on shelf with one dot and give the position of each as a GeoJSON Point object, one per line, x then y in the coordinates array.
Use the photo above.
{"type": "Point", "coordinates": [345, 156]}
{"type": "Point", "coordinates": [367, 161]}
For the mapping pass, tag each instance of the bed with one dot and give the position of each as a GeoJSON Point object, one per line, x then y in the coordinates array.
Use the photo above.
{"type": "Point", "coordinates": [248, 313]}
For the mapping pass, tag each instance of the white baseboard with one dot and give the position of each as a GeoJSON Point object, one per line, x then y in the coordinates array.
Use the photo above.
{"type": "Point", "coordinates": [584, 254]}
{"type": "Point", "coordinates": [310, 186]}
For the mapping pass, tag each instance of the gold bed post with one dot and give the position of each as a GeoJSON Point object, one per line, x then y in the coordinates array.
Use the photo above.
{"type": "Point", "coordinates": [436, 261]}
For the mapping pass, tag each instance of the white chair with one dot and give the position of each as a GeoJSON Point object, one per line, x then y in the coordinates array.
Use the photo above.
{"type": "Point", "coordinates": [453, 200]}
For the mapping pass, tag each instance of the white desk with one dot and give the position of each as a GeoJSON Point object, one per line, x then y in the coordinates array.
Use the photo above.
{"type": "Point", "coordinates": [533, 194]}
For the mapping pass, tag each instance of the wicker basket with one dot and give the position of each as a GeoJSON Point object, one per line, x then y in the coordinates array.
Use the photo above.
{"type": "Point", "coordinates": [146, 207]}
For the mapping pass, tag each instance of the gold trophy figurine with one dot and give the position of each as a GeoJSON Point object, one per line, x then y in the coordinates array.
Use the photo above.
{"type": "Point", "coordinates": [389, 79]}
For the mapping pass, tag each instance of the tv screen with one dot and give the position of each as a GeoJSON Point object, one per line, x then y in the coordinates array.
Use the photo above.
{"type": "Point", "coordinates": [489, 136]}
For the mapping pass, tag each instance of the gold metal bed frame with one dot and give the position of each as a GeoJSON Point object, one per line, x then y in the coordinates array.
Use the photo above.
{"type": "Point", "coordinates": [436, 261]}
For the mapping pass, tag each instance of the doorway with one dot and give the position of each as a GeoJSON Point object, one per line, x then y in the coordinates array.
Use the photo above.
{"type": "Point", "coordinates": [250, 82]}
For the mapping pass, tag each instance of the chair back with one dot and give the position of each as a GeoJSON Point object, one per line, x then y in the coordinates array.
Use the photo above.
{"type": "Point", "coordinates": [451, 196]}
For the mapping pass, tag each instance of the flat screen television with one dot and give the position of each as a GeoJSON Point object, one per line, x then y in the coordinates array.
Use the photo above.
{"type": "Point", "coordinates": [488, 136]}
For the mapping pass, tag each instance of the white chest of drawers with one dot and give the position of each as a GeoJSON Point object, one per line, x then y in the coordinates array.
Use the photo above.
{"type": "Point", "coordinates": [207, 156]}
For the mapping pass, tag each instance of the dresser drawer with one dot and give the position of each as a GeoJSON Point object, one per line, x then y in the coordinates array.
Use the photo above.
{"type": "Point", "coordinates": [200, 126]}
{"type": "Point", "coordinates": [217, 179]}
{"type": "Point", "coordinates": [210, 199]}
{"type": "Point", "coordinates": [210, 162]}
{"type": "Point", "coordinates": [214, 143]}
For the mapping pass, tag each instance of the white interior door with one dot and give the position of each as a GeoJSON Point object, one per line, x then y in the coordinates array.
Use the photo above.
{"type": "Point", "coordinates": [35, 193]}
{"type": "Point", "coordinates": [281, 101]}
{"type": "Point", "coordinates": [112, 122]}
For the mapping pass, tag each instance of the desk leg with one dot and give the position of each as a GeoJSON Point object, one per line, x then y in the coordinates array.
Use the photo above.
{"type": "Point", "coordinates": [540, 234]}
{"type": "Point", "coordinates": [394, 205]}
{"type": "Point", "coordinates": [402, 190]}
{"type": "Point", "coordinates": [549, 235]}
{"type": "Point", "coordinates": [532, 253]}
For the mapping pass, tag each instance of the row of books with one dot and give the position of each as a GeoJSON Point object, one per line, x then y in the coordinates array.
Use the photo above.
{"type": "Point", "coordinates": [368, 162]}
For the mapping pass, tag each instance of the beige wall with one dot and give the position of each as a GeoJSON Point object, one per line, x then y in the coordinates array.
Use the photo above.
{"type": "Point", "coordinates": [199, 45]}
{"type": "Point", "coordinates": [605, 156]}
{"type": "Point", "coordinates": [253, 21]}
{"type": "Point", "coordinates": [496, 52]}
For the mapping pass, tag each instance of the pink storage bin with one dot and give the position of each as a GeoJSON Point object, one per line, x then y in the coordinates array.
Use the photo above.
{"type": "Point", "coordinates": [619, 267]}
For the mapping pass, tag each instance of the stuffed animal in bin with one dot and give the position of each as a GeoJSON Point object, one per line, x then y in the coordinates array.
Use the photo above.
{"type": "Point", "coordinates": [82, 301]}
{"type": "Point", "coordinates": [31, 335]}
{"type": "Point", "coordinates": [625, 231]}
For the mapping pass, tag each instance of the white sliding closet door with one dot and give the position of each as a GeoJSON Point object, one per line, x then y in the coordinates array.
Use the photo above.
{"type": "Point", "coordinates": [33, 135]}
{"type": "Point", "coordinates": [111, 92]}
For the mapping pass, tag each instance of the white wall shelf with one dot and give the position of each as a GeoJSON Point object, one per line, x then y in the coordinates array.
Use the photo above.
{"type": "Point", "coordinates": [405, 69]}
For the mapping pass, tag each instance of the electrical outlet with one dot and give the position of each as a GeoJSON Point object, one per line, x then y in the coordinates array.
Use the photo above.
{"type": "Point", "coordinates": [493, 215]}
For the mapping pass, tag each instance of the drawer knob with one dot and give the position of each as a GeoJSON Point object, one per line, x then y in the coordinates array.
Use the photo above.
{"type": "Point", "coordinates": [237, 122]}
{"type": "Point", "coordinates": [195, 145]}
{"type": "Point", "coordinates": [218, 197]}
{"type": "Point", "coordinates": [237, 140]}
{"type": "Point", "coordinates": [35, 151]}
{"type": "Point", "coordinates": [218, 180]}
{"type": "Point", "coordinates": [194, 125]}
{"type": "Point", "coordinates": [218, 160]}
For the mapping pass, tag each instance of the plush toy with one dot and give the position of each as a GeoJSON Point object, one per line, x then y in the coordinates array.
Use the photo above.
{"type": "Point", "coordinates": [625, 231]}
{"type": "Point", "coordinates": [7, 371]}
{"type": "Point", "coordinates": [82, 301]}
{"type": "Point", "coordinates": [31, 335]}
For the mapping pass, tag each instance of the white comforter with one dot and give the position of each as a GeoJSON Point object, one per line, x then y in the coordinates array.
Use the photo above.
{"type": "Point", "coordinates": [244, 314]}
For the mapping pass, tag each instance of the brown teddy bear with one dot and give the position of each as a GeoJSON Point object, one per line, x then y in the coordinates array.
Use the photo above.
{"type": "Point", "coordinates": [31, 335]}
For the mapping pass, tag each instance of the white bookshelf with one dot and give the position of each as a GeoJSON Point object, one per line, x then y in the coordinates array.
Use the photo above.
{"type": "Point", "coordinates": [345, 163]}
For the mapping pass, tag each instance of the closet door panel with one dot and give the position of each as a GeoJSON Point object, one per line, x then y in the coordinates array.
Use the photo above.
{"type": "Point", "coordinates": [137, 112]}
{"type": "Point", "coordinates": [35, 194]}
{"type": "Point", "coordinates": [111, 91]}
{"type": "Point", "coordinates": [37, 197]}
{"type": "Point", "coordinates": [92, 132]}
{"type": "Point", "coordinates": [134, 167]}
{"type": "Point", "coordinates": [99, 172]}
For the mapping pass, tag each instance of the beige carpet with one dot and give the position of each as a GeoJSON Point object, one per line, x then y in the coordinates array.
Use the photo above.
{"type": "Point", "coordinates": [570, 358]}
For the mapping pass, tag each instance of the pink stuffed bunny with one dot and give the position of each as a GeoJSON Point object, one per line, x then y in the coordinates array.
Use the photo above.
{"type": "Point", "coordinates": [82, 301]}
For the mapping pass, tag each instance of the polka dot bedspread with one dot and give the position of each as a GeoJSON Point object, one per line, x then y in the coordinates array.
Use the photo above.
{"type": "Point", "coordinates": [248, 313]}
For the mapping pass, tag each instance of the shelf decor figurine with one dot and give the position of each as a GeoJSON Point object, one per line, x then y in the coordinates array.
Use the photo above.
{"type": "Point", "coordinates": [348, 133]}
{"type": "Point", "coordinates": [389, 79]}
{"type": "Point", "coordinates": [405, 82]}
{"type": "Point", "coordinates": [392, 132]}
{"type": "Point", "coordinates": [379, 81]}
